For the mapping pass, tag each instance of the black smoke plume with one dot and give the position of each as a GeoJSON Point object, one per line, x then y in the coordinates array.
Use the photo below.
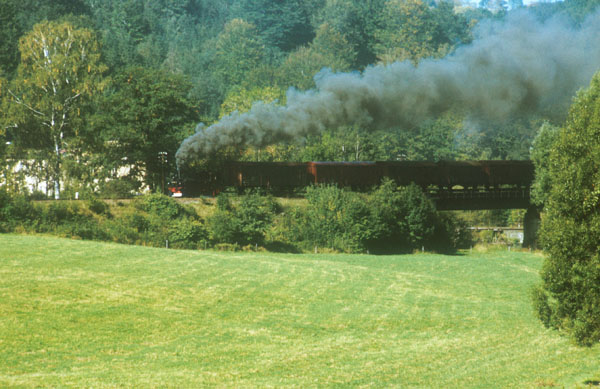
{"type": "Point", "coordinates": [515, 67]}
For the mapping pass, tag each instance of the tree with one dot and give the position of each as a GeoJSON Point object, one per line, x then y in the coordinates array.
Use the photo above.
{"type": "Point", "coordinates": [18, 16]}
{"type": "Point", "coordinates": [329, 49]}
{"type": "Point", "coordinates": [239, 50]}
{"type": "Point", "coordinates": [299, 68]}
{"type": "Point", "coordinates": [284, 24]}
{"type": "Point", "coordinates": [569, 295]}
{"type": "Point", "coordinates": [34, 11]}
{"type": "Point", "coordinates": [241, 99]}
{"type": "Point", "coordinates": [9, 32]}
{"type": "Point", "coordinates": [577, 10]}
{"type": "Point", "coordinates": [411, 30]}
{"type": "Point", "coordinates": [60, 68]}
{"type": "Point", "coordinates": [540, 155]}
{"type": "Point", "coordinates": [357, 21]}
{"type": "Point", "coordinates": [334, 46]}
{"type": "Point", "coordinates": [147, 114]}
{"type": "Point", "coordinates": [2, 121]}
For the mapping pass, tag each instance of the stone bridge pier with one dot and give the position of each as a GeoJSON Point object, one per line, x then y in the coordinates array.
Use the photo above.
{"type": "Point", "coordinates": [531, 225]}
{"type": "Point", "coordinates": [515, 197]}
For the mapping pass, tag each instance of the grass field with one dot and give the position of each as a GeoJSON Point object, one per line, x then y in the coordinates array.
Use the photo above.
{"type": "Point", "coordinates": [88, 314]}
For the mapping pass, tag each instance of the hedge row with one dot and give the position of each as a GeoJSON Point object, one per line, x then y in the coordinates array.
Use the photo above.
{"type": "Point", "coordinates": [389, 219]}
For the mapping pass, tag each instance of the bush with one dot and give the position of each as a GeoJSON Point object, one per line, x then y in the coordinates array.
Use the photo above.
{"type": "Point", "coordinates": [120, 231]}
{"type": "Point", "coordinates": [121, 188]}
{"type": "Point", "coordinates": [160, 205]}
{"type": "Point", "coordinates": [388, 220]}
{"type": "Point", "coordinates": [334, 218]}
{"type": "Point", "coordinates": [21, 210]}
{"type": "Point", "coordinates": [451, 233]}
{"type": "Point", "coordinates": [5, 200]}
{"type": "Point", "coordinates": [389, 217]}
{"type": "Point", "coordinates": [38, 195]}
{"type": "Point", "coordinates": [421, 217]}
{"type": "Point", "coordinates": [82, 227]}
{"type": "Point", "coordinates": [186, 234]}
{"type": "Point", "coordinates": [244, 223]}
{"type": "Point", "coordinates": [407, 220]}
{"type": "Point", "coordinates": [136, 221]}
{"type": "Point", "coordinates": [570, 229]}
{"type": "Point", "coordinates": [541, 305]}
{"type": "Point", "coordinates": [58, 212]}
{"type": "Point", "coordinates": [98, 207]}
{"type": "Point", "coordinates": [227, 247]}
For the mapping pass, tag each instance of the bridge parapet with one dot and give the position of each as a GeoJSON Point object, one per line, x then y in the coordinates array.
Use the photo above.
{"type": "Point", "coordinates": [483, 198]}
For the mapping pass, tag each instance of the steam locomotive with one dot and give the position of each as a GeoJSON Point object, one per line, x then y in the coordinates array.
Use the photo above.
{"type": "Point", "coordinates": [290, 175]}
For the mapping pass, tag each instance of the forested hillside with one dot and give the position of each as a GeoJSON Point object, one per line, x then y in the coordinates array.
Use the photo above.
{"type": "Point", "coordinates": [89, 87]}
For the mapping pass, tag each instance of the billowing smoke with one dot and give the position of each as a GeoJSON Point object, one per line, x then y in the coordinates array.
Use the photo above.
{"type": "Point", "coordinates": [518, 66]}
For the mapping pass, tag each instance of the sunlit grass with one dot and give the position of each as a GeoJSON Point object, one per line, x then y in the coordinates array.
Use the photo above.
{"type": "Point", "coordinates": [92, 315]}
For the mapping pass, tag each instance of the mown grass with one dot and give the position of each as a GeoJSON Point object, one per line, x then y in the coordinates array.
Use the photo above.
{"type": "Point", "coordinates": [87, 314]}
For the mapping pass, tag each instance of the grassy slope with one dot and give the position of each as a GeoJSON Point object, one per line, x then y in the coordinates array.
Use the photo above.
{"type": "Point", "coordinates": [93, 314]}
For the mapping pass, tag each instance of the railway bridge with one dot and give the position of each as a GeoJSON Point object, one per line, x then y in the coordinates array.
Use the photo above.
{"type": "Point", "coordinates": [452, 185]}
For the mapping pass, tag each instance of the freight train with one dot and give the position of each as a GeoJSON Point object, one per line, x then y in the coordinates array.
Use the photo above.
{"type": "Point", "coordinates": [290, 175]}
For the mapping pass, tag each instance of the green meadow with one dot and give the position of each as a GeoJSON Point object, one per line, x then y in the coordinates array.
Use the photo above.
{"type": "Point", "coordinates": [89, 314]}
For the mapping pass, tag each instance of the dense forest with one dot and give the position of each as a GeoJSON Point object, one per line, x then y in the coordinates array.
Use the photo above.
{"type": "Point", "coordinates": [98, 95]}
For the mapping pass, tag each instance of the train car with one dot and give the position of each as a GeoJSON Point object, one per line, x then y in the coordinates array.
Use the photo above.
{"type": "Point", "coordinates": [519, 173]}
{"type": "Point", "coordinates": [404, 173]}
{"type": "Point", "coordinates": [467, 174]}
{"type": "Point", "coordinates": [442, 175]}
{"type": "Point", "coordinates": [346, 174]}
{"type": "Point", "coordinates": [265, 175]}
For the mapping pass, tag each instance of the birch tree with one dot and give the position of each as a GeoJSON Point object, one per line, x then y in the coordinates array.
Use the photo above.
{"type": "Point", "coordinates": [60, 70]}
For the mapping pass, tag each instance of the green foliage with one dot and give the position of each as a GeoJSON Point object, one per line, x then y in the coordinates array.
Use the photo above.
{"type": "Point", "coordinates": [330, 49]}
{"type": "Point", "coordinates": [53, 83]}
{"type": "Point", "coordinates": [187, 234]}
{"type": "Point", "coordinates": [153, 220]}
{"type": "Point", "coordinates": [98, 206]}
{"type": "Point", "coordinates": [389, 217]}
{"type": "Point", "coordinates": [19, 16]}
{"type": "Point", "coordinates": [335, 218]}
{"type": "Point", "coordinates": [578, 10]}
{"type": "Point", "coordinates": [412, 30]}
{"type": "Point", "coordinates": [16, 211]}
{"type": "Point", "coordinates": [571, 225]}
{"type": "Point", "coordinates": [281, 24]}
{"type": "Point", "coordinates": [241, 99]}
{"type": "Point", "coordinates": [451, 233]}
{"type": "Point", "coordinates": [387, 220]}
{"type": "Point", "coordinates": [407, 220]}
{"type": "Point", "coordinates": [357, 21]}
{"type": "Point", "coordinates": [420, 216]}
{"type": "Point", "coordinates": [334, 46]}
{"type": "Point", "coordinates": [238, 50]}
{"type": "Point", "coordinates": [244, 223]}
{"type": "Point", "coordinates": [119, 188]}
{"type": "Point", "coordinates": [161, 206]}
{"type": "Point", "coordinates": [148, 113]}
{"type": "Point", "coordinates": [9, 32]}
{"type": "Point", "coordinates": [540, 155]}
